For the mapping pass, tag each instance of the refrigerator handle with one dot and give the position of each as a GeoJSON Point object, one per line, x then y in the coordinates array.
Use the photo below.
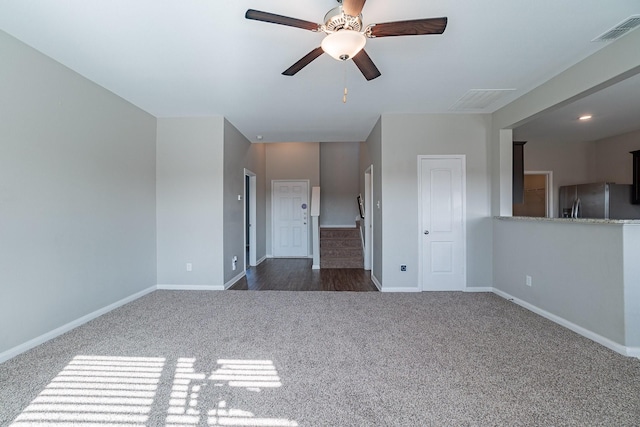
{"type": "Point", "coordinates": [575, 209]}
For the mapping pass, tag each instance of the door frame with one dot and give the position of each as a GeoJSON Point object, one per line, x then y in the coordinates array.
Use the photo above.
{"type": "Point", "coordinates": [463, 159]}
{"type": "Point", "coordinates": [273, 216]}
{"type": "Point", "coordinates": [251, 198]}
{"type": "Point", "coordinates": [368, 218]}
{"type": "Point", "coordinates": [549, 193]}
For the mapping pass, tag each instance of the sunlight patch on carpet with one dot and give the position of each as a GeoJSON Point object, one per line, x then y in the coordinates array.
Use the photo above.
{"type": "Point", "coordinates": [111, 391]}
{"type": "Point", "coordinates": [97, 389]}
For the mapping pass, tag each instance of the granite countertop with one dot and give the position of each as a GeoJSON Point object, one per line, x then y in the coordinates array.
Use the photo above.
{"type": "Point", "coordinates": [571, 220]}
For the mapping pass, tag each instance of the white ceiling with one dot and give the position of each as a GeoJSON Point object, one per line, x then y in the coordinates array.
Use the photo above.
{"type": "Point", "coordinates": [202, 57]}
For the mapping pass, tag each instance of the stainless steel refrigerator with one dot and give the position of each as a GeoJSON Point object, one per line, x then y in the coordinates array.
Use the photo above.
{"type": "Point", "coordinates": [599, 200]}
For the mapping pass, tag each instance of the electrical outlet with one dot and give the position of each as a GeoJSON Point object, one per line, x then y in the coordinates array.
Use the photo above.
{"type": "Point", "coordinates": [234, 263]}
{"type": "Point", "coordinates": [403, 267]}
{"type": "Point", "coordinates": [528, 280]}
{"type": "Point", "coordinates": [189, 266]}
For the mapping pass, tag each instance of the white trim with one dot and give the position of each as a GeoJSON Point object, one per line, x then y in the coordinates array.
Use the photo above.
{"type": "Point", "coordinates": [261, 260]}
{"type": "Point", "coordinates": [12, 352]}
{"type": "Point", "coordinates": [177, 287]}
{"type": "Point", "coordinates": [463, 189]}
{"type": "Point", "coordinates": [315, 201]}
{"type": "Point", "coordinates": [339, 226]}
{"type": "Point", "coordinates": [612, 345]}
{"type": "Point", "coordinates": [368, 219]}
{"type": "Point", "coordinates": [387, 289]}
{"type": "Point", "coordinates": [315, 227]}
{"type": "Point", "coordinates": [234, 280]}
{"type": "Point", "coordinates": [269, 256]}
{"type": "Point", "coordinates": [375, 281]}
{"type": "Point", "coordinates": [478, 289]}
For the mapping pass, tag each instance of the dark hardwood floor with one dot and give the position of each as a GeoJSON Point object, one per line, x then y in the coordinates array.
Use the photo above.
{"type": "Point", "coordinates": [294, 274]}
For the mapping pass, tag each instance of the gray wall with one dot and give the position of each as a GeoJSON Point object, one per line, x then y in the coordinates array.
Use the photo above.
{"type": "Point", "coordinates": [631, 250]}
{"type": "Point", "coordinates": [612, 160]}
{"type": "Point", "coordinates": [290, 160]}
{"type": "Point", "coordinates": [339, 182]}
{"type": "Point", "coordinates": [586, 77]}
{"type": "Point", "coordinates": [404, 137]}
{"type": "Point", "coordinates": [189, 185]}
{"type": "Point", "coordinates": [77, 196]}
{"type": "Point", "coordinates": [371, 154]}
{"type": "Point", "coordinates": [239, 154]}
{"type": "Point", "coordinates": [572, 277]}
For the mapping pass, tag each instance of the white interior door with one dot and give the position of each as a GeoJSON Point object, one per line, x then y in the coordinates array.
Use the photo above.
{"type": "Point", "coordinates": [290, 201]}
{"type": "Point", "coordinates": [442, 212]}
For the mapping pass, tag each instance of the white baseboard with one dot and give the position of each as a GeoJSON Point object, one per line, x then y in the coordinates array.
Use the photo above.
{"type": "Point", "coordinates": [618, 348]}
{"type": "Point", "coordinates": [376, 282]}
{"type": "Point", "coordinates": [315, 267]}
{"type": "Point", "coordinates": [231, 282]}
{"type": "Point", "coordinates": [400, 290]}
{"type": "Point", "coordinates": [340, 226]}
{"type": "Point", "coordinates": [261, 260]}
{"type": "Point", "coordinates": [478, 289]}
{"type": "Point", "coordinates": [633, 352]}
{"type": "Point", "coordinates": [175, 287]}
{"type": "Point", "coordinates": [12, 352]}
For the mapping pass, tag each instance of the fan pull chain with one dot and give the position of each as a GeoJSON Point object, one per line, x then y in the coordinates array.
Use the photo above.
{"type": "Point", "coordinates": [344, 96]}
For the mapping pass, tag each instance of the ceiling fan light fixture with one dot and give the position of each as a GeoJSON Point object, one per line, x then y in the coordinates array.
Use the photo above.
{"type": "Point", "coordinates": [344, 44]}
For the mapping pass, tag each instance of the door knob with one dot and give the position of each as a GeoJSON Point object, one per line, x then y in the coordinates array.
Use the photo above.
{"type": "Point", "coordinates": [426, 231]}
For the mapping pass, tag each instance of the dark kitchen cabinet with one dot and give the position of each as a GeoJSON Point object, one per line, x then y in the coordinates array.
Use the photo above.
{"type": "Point", "coordinates": [635, 188]}
{"type": "Point", "coordinates": [518, 172]}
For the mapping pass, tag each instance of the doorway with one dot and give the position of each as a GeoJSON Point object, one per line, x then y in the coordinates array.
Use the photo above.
{"type": "Point", "coordinates": [442, 241]}
{"type": "Point", "coordinates": [538, 195]}
{"type": "Point", "coordinates": [290, 229]}
{"type": "Point", "coordinates": [250, 219]}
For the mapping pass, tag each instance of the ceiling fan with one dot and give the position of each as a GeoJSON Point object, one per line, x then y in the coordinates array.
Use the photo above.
{"type": "Point", "coordinates": [346, 35]}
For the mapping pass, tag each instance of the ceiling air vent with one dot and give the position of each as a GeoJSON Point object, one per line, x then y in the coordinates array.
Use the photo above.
{"type": "Point", "coordinates": [479, 99]}
{"type": "Point", "coordinates": [619, 30]}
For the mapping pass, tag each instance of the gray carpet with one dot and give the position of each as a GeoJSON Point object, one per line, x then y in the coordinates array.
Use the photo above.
{"type": "Point", "coordinates": [320, 358]}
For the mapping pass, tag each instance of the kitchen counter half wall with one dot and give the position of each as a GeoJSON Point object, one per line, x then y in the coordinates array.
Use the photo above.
{"type": "Point", "coordinates": [569, 220]}
{"type": "Point", "coordinates": [581, 273]}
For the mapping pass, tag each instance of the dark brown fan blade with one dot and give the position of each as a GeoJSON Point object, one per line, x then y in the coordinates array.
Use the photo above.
{"type": "Point", "coordinates": [352, 7]}
{"type": "Point", "coordinates": [279, 19]}
{"type": "Point", "coordinates": [414, 27]}
{"type": "Point", "coordinates": [306, 60]}
{"type": "Point", "coordinates": [366, 65]}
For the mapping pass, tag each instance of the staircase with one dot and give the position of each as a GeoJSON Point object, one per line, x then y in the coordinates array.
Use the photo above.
{"type": "Point", "coordinates": [340, 248]}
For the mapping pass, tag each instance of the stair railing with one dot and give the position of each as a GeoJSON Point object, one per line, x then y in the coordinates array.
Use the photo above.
{"type": "Point", "coordinates": [315, 226]}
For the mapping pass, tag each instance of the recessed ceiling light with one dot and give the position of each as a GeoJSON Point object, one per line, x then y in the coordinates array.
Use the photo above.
{"type": "Point", "coordinates": [259, 137]}
{"type": "Point", "coordinates": [585, 117]}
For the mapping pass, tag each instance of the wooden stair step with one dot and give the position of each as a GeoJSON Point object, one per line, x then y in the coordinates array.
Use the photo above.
{"type": "Point", "coordinates": [341, 248]}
